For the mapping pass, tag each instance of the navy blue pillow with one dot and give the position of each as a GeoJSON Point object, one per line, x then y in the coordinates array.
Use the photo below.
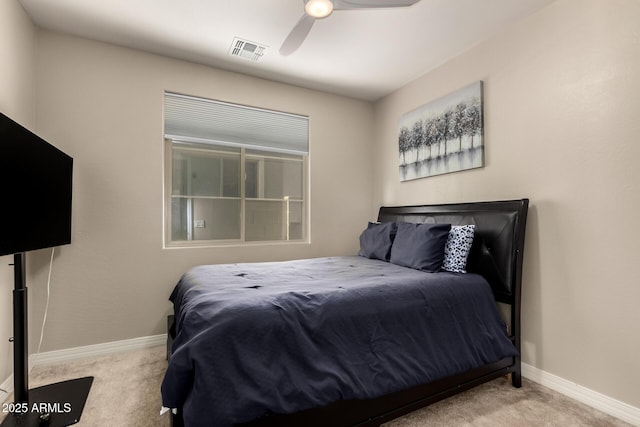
{"type": "Point", "coordinates": [376, 240]}
{"type": "Point", "coordinates": [420, 246]}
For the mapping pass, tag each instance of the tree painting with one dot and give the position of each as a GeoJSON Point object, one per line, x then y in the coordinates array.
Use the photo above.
{"type": "Point", "coordinates": [445, 135]}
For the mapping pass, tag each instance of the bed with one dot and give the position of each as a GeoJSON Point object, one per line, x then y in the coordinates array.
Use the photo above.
{"type": "Point", "coordinates": [348, 341]}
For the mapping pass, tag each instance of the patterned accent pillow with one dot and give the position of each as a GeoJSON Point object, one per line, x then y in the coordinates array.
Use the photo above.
{"type": "Point", "coordinates": [457, 248]}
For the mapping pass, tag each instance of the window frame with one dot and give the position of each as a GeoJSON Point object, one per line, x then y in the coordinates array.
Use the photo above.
{"type": "Point", "coordinates": [169, 243]}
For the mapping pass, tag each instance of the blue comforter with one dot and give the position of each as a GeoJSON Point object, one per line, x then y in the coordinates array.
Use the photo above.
{"type": "Point", "coordinates": [286, 336]}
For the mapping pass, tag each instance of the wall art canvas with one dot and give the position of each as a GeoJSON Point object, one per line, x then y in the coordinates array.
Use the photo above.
{"type": "Point", "coordinates": [443, 136]}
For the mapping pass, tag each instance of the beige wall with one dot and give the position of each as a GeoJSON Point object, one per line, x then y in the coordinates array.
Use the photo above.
{"type": "Point", "coordinates": [562, 98]}
{"type": "Point", "coordinates": [103, 104]}
{"type": "Point", "coordinates": [17, 91]}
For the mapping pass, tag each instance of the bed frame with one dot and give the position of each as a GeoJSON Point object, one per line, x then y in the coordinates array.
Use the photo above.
{"type": "Point", "coordinates": [497, 254]}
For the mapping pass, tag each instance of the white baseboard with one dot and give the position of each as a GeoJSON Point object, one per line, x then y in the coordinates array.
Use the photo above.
{"type": "Point", "coordinates": [7, 386]}
{"type": "Point", "coordinates": [582, 394]}
{"type": "Point", "coordinates": [50, 357]}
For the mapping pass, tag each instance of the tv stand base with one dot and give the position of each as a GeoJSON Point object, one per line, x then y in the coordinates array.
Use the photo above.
{"type": "Point", "coordinates": [53, 405]}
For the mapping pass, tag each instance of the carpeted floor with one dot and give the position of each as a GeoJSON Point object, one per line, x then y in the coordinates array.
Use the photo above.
{"type": "Point", "coordinates": [125, 393]}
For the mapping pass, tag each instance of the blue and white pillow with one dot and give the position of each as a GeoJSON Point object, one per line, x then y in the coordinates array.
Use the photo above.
{"type": "Point", "coordinates": [457, 248]}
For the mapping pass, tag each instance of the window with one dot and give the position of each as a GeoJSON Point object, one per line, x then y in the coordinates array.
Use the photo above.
{"type": "Point", "coordinates": [234, 174]}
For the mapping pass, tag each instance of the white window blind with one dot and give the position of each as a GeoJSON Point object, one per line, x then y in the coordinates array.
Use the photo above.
{"type": "Point", "coordinates": [191, 119]}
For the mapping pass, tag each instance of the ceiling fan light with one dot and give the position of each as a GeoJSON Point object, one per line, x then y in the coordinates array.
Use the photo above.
{"type": "Point", "coordinates": [319, 8]}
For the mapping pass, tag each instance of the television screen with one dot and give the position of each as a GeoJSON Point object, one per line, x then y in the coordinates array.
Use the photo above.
{"type": "Point", "coordinates": [36, 180]}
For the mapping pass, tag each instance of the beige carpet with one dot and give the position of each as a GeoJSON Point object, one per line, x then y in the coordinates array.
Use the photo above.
{"type": "Point", "coordinates": [126, 393]}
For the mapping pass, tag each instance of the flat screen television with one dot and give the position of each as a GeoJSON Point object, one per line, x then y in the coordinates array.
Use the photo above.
{"type": "Point", "coordinates": [35, 213]}
{"type": "Point", "coordinates": [36, 180]}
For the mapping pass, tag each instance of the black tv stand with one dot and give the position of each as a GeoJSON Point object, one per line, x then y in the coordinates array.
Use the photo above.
{"type": "Point", "coordinates": [53, 405]}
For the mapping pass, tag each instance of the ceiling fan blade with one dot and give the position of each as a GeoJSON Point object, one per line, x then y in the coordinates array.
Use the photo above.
{"type": "Point", "coordinates": [297, 35]}
{"type": "Point", "coordinates": [362, 4]}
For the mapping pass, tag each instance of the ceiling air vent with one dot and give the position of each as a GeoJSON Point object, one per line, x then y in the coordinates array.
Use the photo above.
{"type": "Point", "coordinates": [246, 49]}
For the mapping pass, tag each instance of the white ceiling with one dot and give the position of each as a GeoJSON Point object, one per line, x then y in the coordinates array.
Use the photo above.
{"type": "Point", "coordinates": [365, 53]}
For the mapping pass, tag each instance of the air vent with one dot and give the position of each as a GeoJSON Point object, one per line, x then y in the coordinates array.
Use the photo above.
{"type": "Point", "coordinates": [246, 49]}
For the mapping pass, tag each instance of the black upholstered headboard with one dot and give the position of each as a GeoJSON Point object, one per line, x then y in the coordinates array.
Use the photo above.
{"type": "Point", "coordinates": [498, 243]}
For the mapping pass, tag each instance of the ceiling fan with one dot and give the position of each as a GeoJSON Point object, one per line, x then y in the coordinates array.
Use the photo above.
{"type": "Point", "coordinates": [318, 9]}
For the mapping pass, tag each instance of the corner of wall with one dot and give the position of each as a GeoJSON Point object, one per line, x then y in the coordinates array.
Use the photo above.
{"type": "Point", "coordinates": [17, 100]}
